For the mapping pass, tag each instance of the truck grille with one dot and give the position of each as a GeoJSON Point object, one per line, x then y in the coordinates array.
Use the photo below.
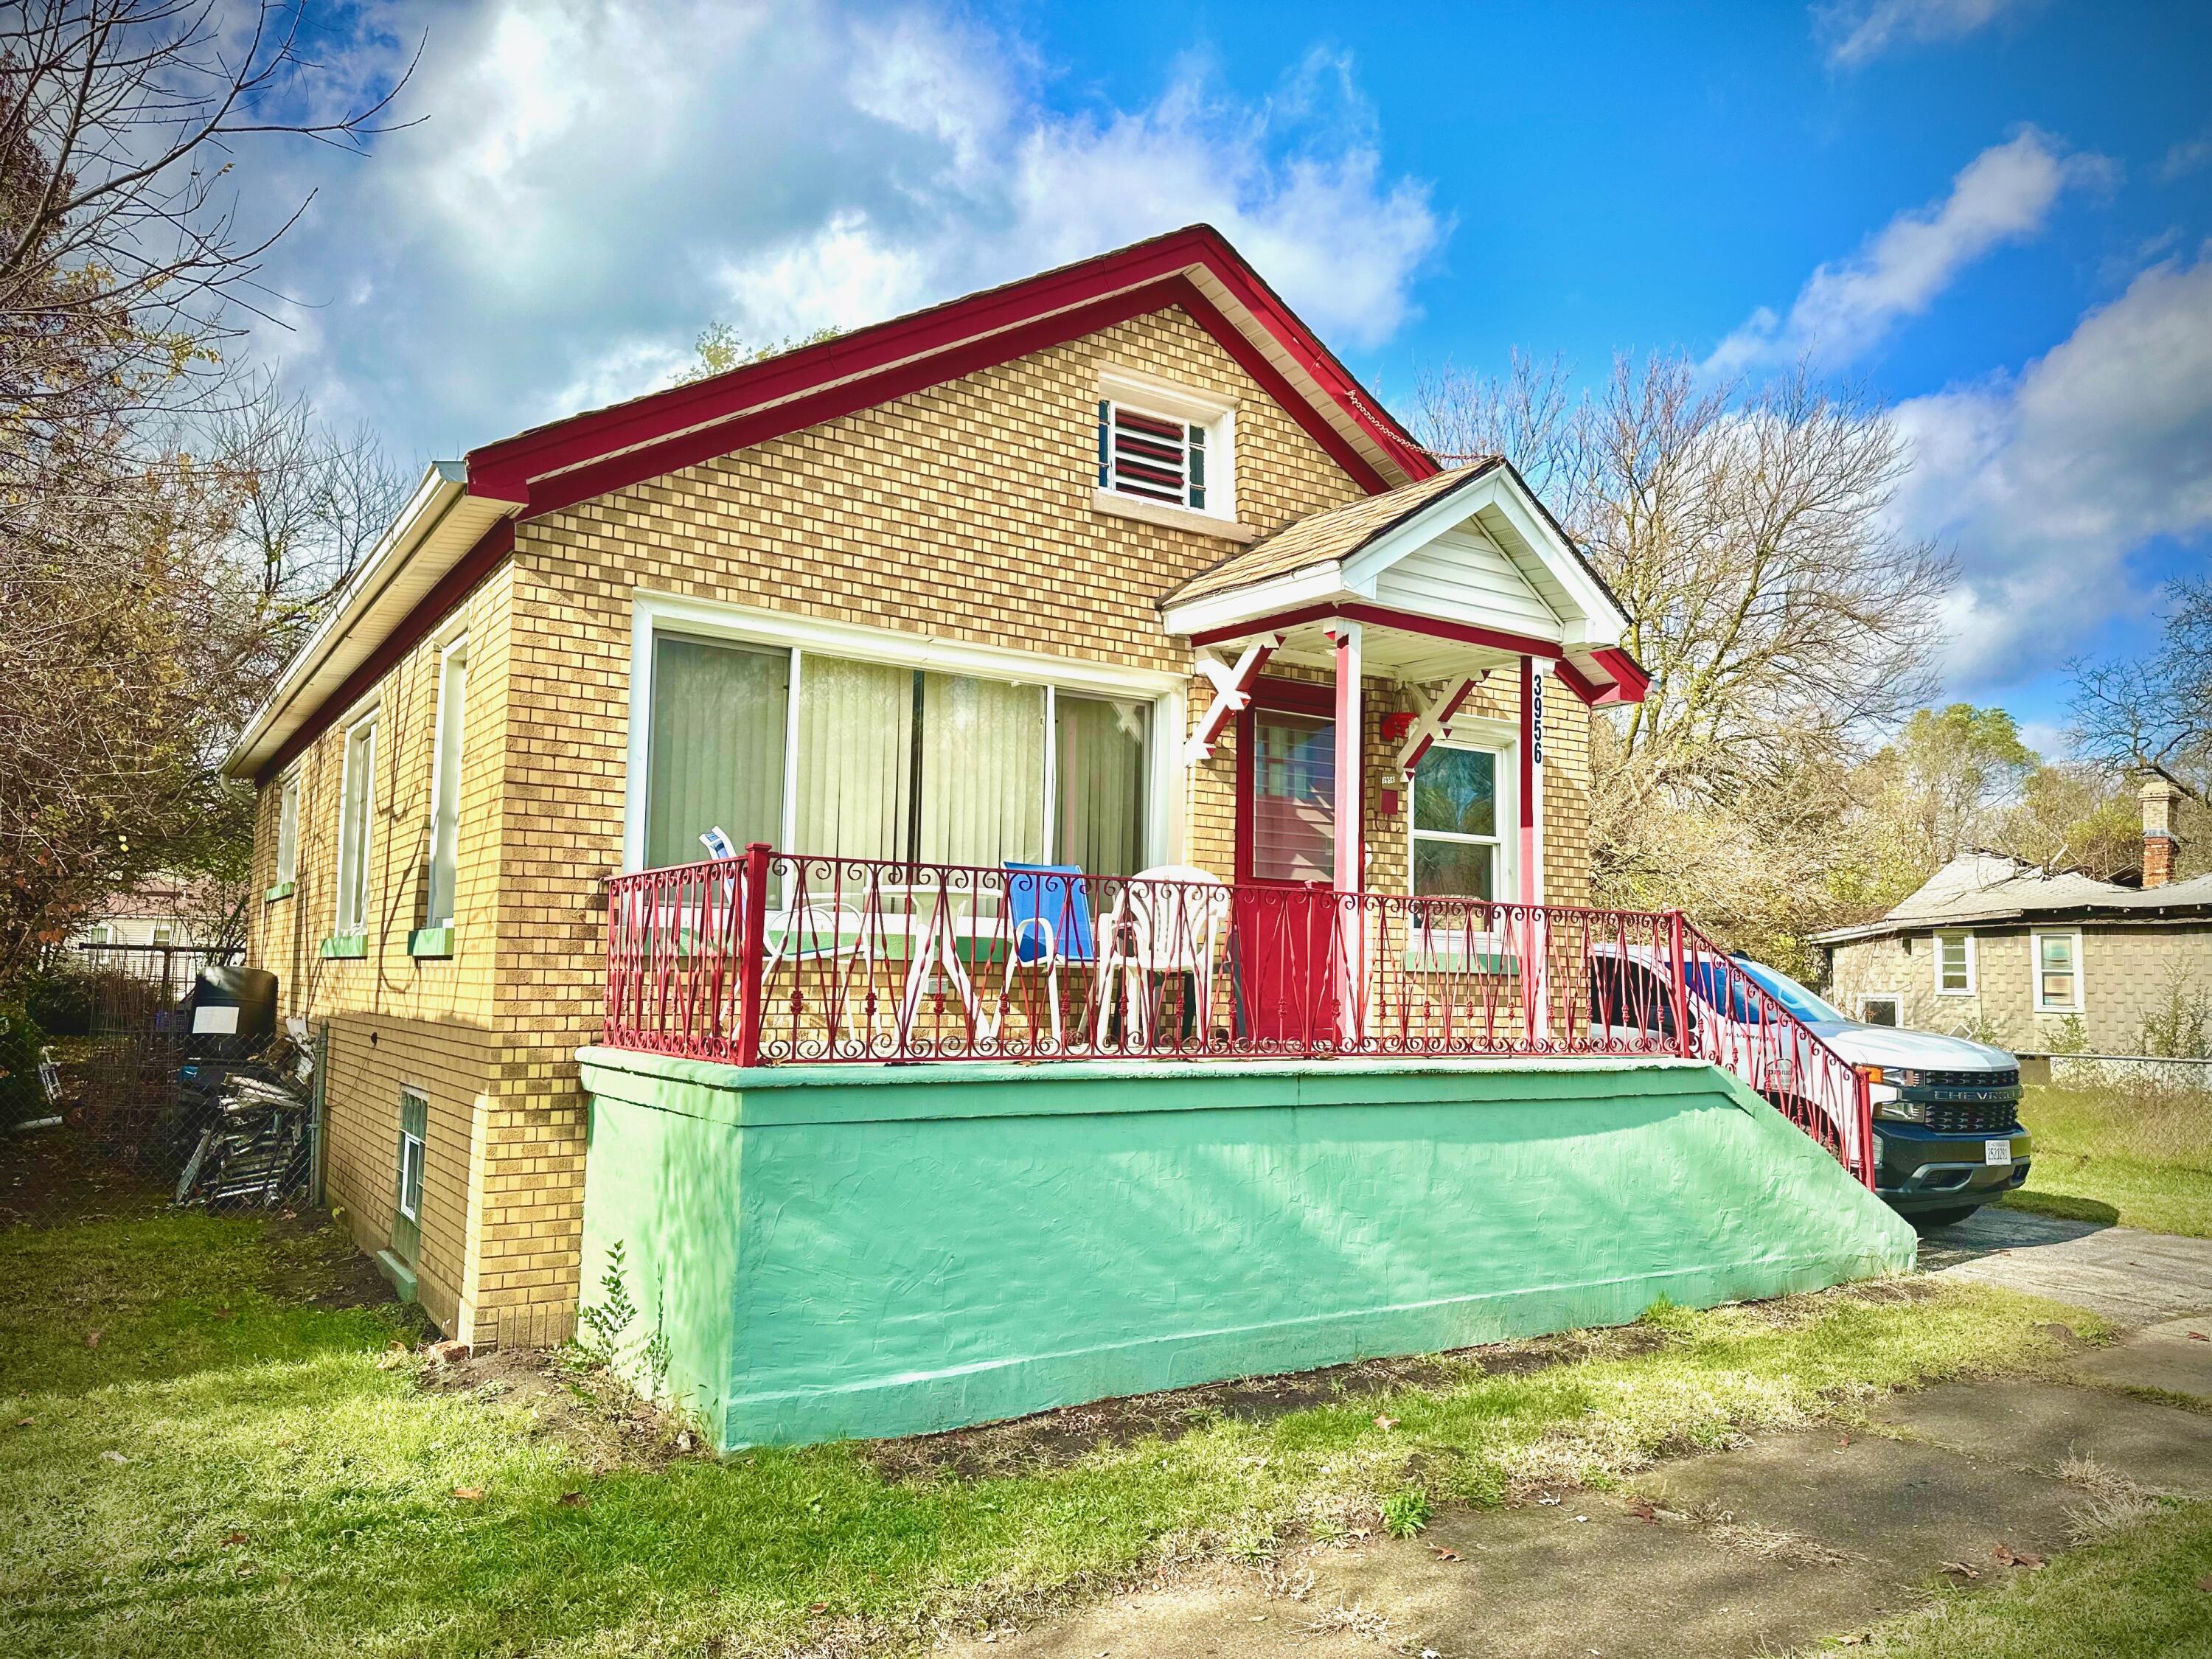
{"type": "Point", "coordinates": [1954, 1117]}
{"type": "Point", "coordinates": [2005, 1079]}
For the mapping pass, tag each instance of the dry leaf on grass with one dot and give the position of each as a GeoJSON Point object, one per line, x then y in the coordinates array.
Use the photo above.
{"type": "Point", "coordinates": [230, 1539]}
{"type": "Point", "coordinates": [2008, 1557]}
{"type": "Point", "coordinates": [572, 1500]}
{"type": "Point", "coordinates": [1385, 1423]}
{"type": "Point", "coordinates": [92, 1338]}
{"type": "Point", "coordinates": [1441, 1554]}
{"type": "Point", "coordinates": [469, 1494]}
{"type": "Point", "coordinates": [1962, 1570]}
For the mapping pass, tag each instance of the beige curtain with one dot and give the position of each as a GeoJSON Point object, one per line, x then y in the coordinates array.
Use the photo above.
{"type": "Point", "coordinates": [1098, 786]}
{"type": "Point", "coordinates": [983, 771]}
{"type": "Point", "coordinates": [855, 757]}
{"type": "Point", "coordinates": [716, 756]}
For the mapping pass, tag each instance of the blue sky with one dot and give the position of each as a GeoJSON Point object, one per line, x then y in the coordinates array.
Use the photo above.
{"type": "Point", "coordinates": [1994, 213]}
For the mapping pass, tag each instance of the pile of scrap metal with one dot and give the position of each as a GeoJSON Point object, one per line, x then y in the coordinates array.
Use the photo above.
{"type": "Point", "coordinates": [245, 1098]}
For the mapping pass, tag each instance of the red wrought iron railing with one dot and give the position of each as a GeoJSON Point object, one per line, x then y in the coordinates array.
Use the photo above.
{"type": "Point", "coordinates": [776, 958]}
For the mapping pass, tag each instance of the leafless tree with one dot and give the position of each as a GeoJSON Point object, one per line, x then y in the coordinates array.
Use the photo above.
{"type": "Point", "coordinates": [2155, 710]}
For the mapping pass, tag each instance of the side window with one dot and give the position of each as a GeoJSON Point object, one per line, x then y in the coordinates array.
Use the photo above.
{"type": "Point", "coordinates": [414, 1140]}
{"type": "Point", "coordinates": [356, 819]}
{"type": "Point", "coordinates": [1954, 964]}
{"type": "Point", "coordinates": [2057, 973]}
{"type": "Point", "coordinates": [288, 830]}
{"type": "Point", "coordinates": [1878, 1010]}
{"type": "Point", "coordinates": [446, 786]}
{"type": "Point", "coordinates": [1626, 996]}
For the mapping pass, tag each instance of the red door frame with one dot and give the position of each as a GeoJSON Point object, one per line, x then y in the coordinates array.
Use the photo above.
{"type": "Point", "coordinates": [1286, 697]}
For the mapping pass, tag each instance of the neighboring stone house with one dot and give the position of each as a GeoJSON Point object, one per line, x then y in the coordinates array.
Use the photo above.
{"type": "Point", "coordinates": [2034, 960]}
{"type": "Point", "coordinates": [994, 581]}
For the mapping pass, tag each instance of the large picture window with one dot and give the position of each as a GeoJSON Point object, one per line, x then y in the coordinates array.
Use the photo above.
{"type": "Point", "coordinates": [1457, 846]}
{"type": "Point", "coordinates": [836, 755]}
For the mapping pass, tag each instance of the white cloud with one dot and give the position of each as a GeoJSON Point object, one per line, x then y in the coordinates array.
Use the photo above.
{"type": "Point", "coordinates": [2185, 157]}
{"type": "Point", "coordinates": [595, 180]}
{"type": "Point", "coordinates": [2046, 483]}
{"type": "Point", "coordinates": [1845, 308]}
{"type": "Point", "coordinates": [1859, 31]}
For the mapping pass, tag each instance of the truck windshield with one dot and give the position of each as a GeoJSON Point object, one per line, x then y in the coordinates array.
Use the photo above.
{"type": "Point", "coordinates": [1790, 993]}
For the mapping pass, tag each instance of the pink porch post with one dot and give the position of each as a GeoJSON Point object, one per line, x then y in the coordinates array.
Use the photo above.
{"type": "Point", "coordinates": [1345, 635]}
{"type": "Point", "coordinates": [1527, 793]}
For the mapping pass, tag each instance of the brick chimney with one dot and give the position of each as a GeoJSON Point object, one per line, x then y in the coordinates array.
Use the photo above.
{"type": "Point", "coordinates": [2158, 797]}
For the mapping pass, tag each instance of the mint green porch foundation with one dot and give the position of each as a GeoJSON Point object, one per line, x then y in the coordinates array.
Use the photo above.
{"type": "Point", "coordinates": [845, 1252]}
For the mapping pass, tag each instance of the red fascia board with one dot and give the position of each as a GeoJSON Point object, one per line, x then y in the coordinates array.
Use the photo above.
{"type": "Point", "coordinates": [1293, 696]}
{"type": "Point", "coordinates": [479, 561]}
{"type": "Point", "coordinates": [689, 449]}
{"type": "Point", "coordinates": [1628, 673]}
{"type": "Point", "coordinates": [993, 327]}
{"type": "Point", "coordinates": [1381, 617]}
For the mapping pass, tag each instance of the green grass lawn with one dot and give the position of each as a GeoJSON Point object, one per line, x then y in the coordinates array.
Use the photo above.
{"type": "Point", "coordinates": [2146, 1591]}
{"type": "Point", "coordinates": [226, 1470]}
{"type": "Point", "coordinates": [2139, 1156]}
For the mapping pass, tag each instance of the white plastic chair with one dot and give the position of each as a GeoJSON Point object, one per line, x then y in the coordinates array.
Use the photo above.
{"type": "Point", "coordinates": [1176, 927]}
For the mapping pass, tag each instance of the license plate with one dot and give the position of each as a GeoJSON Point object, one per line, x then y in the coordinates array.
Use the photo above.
{"type": "Point", "coordinates": [1996, 1152]}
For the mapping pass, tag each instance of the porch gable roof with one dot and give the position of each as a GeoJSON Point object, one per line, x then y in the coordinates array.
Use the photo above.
{"type": "Point", "coordinates": [1468, 555]}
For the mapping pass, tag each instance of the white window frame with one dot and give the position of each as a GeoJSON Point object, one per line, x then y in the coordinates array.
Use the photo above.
{"type": "Point", "coordinates": [453, 653]}
{"type": "Point", "coordinates": [2035, 937]}
{"type": "Point", "coordinates": [1972, 972]}
{"type": "Point", "coordinates": [287, 827]}
{"type": "Point", "coordinates": [414, 1153]}
{"type": "Point", "coordinates": [1895, 1000]}
{"type": "Point", "coordinates": [1167, 401]}
{"type": "Point", "coordinates": [353, 875]}
{"type": "Point", "coordinates": [1502, 743]}
{"type": "Point", "coordinates": [654, 613]}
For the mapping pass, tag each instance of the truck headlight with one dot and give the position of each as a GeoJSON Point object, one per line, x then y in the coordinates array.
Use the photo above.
{"type": "Point", "coordinates": [1902, 1111]}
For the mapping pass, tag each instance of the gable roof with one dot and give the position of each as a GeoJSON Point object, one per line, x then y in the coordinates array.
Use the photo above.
{"type": "Point", "coordinates": [1471, 550]}
{"type": "Point", "coordinates": [460, 524]}
{"type": "Point", "coordinates": [1981, 888]}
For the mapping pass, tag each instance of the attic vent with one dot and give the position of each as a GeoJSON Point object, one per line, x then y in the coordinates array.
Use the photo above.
{"type": "Point", "coordinates": [1152, 457]}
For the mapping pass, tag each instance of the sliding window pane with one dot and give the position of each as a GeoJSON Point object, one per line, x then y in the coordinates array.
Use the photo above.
{"type": "Point", "coordinates": [716, 760]}
{"type": "Point", "coordinates": [983, 771]}
{"type": "Point", "coordinates": [855, 757]}
{"type": "Point", "coordinates": [1098, 787]}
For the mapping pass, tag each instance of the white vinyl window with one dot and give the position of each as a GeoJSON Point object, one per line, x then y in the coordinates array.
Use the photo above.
{"type": "Point", "coordinates": [1954, 964]}
{"type": "Point", "coordinates": [414, 1131]}
{"type": "Point", "coordinates": [1880, 1009]}
{"type": "Point", "coordinates": [287, 829]}
{"type": "Point", "coordinates": [2057, 972]}
{"type": "Point", "coordinates": [1457, 822]}
{"type": "Point", "coordinates": [446, 786]}
{"type": "Point", "coordinates": [834, 755]}
{"type": "Point", "coordinates": [356, 805]}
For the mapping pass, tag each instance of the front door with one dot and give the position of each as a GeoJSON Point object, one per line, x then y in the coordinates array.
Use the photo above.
{"type": "Point", "coordinates": [1285, 922]}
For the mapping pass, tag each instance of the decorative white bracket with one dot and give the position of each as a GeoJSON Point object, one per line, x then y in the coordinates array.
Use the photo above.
{"type": "Point", "coordinates": [1232, 693]}
{"type": "Point", "coordinates": [1433, 719]}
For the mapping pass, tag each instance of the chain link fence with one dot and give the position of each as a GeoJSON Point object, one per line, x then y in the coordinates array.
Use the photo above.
{"type": "Point", "coordinates": [157, 1096]}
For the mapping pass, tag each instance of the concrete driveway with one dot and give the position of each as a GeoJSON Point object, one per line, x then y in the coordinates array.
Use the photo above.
{"type": "Point", "coordinates": [2128, 1276]}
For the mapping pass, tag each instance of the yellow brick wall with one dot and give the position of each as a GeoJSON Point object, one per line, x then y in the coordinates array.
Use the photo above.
{"type": "Point", "coordinates": [2127, 973]}
{"type": "Point", "coordinates": [964, 512]}
{"type": "Point", "coordinates": [395, 1020]}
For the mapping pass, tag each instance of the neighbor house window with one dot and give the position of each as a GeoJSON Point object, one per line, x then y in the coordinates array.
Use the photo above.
{"type": "Point", "coordinates": [1954, 964]}
{"type": "Point", "coordinates": [356, 804]}
{"type": "Point", "coordinates": [2057, 973]}
{"type": "Point", "coordinates": [414, 1138]}
{"type": "Point", "coordinates": [1457, 848]}
{"type": "Point", "coordinates": [1159, 444]}
{"type": "Point", "coordinates": [446, 786]}
{"type": "Point", "coordinates": [288, 830]}
{"type": "Point", "coordinates": [1879, 1009]}
{"type": "Point", "coordinates": [165, 934]}
{"type": "Point", "coordinates": [836, 755]}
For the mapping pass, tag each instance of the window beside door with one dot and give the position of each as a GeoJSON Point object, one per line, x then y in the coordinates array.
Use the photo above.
{"type": "Point", "coordinates": [836, 755]}
{"type": "Point", "coordinates": [1458, 847]}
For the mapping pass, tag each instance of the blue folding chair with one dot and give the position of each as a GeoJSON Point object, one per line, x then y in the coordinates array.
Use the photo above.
{"type": "Point", "coordinates": [1047, 913]}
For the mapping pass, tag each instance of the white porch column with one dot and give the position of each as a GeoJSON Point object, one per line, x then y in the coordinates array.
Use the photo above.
{"type": "Point", "coordinates": [1345, 635]}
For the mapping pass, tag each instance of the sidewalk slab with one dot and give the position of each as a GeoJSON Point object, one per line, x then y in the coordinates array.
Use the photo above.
{"type": "Point", "coordinates": [2175, 1356]}
{"type": "Point", "coordinates": [2034, 1425]}
{"type": "Point", "coordinates": [2124, 1273]}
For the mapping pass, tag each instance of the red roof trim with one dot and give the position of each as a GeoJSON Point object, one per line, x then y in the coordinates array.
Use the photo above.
{"type": "Point", "coordinates": [479, 561]}
{"type": "Point", "coordinates": [666, 430]}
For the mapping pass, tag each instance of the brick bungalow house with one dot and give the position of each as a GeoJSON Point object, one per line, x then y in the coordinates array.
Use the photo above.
{"type": "Point", "coordinates": [2033, 960]}
{"type": "Point", "coordinates": [1114, 567]}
